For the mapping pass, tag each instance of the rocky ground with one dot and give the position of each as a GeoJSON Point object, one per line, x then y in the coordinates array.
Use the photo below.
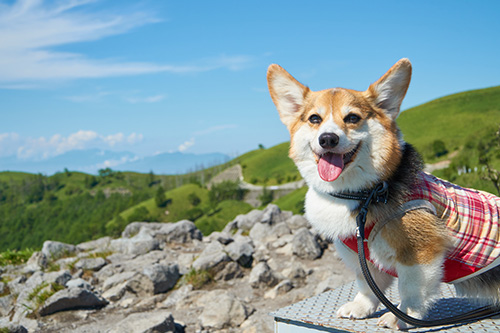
{"type": "Point", "coordinates": [161, 277]}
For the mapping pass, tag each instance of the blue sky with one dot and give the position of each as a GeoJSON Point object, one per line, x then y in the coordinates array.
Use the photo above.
{"type": "Point", "coordinates": [190, 76]}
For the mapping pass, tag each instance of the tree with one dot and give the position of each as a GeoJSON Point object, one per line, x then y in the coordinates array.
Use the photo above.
{"type": "Point", "coordinates": [487, 151]}
{"type": "Point", "coordinates": [266, 197]}
{"type": "Point", "coordinates": [226, 190]}
{"type": "Point", "coordinates": [160, 198]}
{"type": "Point", "coordinates": [194, 199]}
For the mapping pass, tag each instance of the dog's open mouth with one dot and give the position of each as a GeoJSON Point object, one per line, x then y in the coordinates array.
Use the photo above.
{"type": "Point", "coordinates": [331, 165]}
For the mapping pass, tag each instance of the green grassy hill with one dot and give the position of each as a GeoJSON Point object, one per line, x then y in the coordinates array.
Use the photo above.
{"type": "Point", "coordinates": [269, 166]}
{"type": "Point", "coordinates": [454, 119]}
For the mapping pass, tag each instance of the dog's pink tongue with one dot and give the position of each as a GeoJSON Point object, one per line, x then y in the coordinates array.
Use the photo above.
{"type": "Point", "coordinates": [330, 166]}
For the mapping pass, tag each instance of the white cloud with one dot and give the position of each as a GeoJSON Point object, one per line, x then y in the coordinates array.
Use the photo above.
{"type": "Point", "coordinates": [134, 138]}
{"type": "Point", "coordinates": [148, 99]}
{"type": "Point", "coordinates": [214, 129]}
{"type": "Point", "coordinates": [30, 29]}
{"type": "Point", "coordinates": [186, 145]}
{"type": "Point", "coordinates": [42, 147]}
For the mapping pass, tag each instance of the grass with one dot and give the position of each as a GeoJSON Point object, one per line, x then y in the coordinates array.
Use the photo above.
{"type": "Point", "coordinates": [270, 166]}
{"type": "Point", "coordinates": [225, 212]}
{"type": "Point", "coordinates": [40, 294]}
{"type": "Point", "coordinates": [293, 201]}
{"type": "Point", "coordinates": [14, 257]}
{"type": "Point", "coordinates": [196, 278]}
{"type": "Point", "coordinates": [176, 208]}
{"type": "Point", "coordinates": [454, 119]}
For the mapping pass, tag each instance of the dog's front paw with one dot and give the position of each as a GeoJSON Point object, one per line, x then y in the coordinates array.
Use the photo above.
{"type": "Point", "coordinates": [356, 310]}
{"type": "Point", "coordinates": [389, 320]}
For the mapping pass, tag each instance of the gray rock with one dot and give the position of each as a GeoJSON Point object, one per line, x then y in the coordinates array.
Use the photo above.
{"type": "Point", "coordinates": [16, 328]}
{"type": "Point", "coordinates": [101, 244]}
{"type": "Point", "coordinates": [37, 262]}
{"type": "Point", "coordinates": [247, 221]}
{"type": "Point", "coordinates": [230, 270]}
{"type": "Point", "coordinates": [261, 232]}
{"type": "Point", "coordinates": [222, 237]}
{"type": "Point", "coordinates": [181, 232]}
{"type": "Point", "coordinates": [70, 299]}
{"type": "Point", "coordinates": [93, 264]}
{"type": "Point", "coordinates": [163, 277]}
{"type": "Point", "coordinates": [281, 288]}
{"type": "Point", "coordinates": [271, 215]}
{"type": "Point", "coordinates": [297, 221]}
{"type": "Point", "coordinates": [118, 279]}
{"type": "Point", "coordinates": [78, 283]}
{"type": "Point", "coordinates": [140, 244]}
{"type": "Point", "coordinates": [262, 276]}
{"type": "Point", "coordinates": [55, 250]}
{"type": "Point", "coordinates": [229, 312]}
{"type": "Point", "coordinates": [281, 229]}
{"type": "Point", "coordinates": [6, 303]}
{"type": "Point", "coordinates": [146, 322]}
{"type": "Point", "coordinates": [305, 245]}
{"type": "Point", "coordinates": [133, 228]}
{"type": "Point", "coordinates": [177, 295]}
{"type": "Point", "coordinates": [241, 252]}
{"type": "Point", "coordinates": [212, 256]}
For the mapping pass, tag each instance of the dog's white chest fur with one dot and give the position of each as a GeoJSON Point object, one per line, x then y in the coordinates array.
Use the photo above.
{"type": "Point", "coordinates": [330, 216]}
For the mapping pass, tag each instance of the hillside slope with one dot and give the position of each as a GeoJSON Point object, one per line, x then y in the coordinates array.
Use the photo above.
{"type": "Point", "coordinates": [454, 119]}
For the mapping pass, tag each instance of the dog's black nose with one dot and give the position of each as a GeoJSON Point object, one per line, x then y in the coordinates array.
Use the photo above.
{"type": "Point", "coordinates": [328, 140]}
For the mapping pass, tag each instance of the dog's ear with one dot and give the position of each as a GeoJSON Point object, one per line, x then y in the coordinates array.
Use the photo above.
{"type": "Point", "coordinates": [388, 92]}
{"type": "Point", "coordinates": [287, 93]}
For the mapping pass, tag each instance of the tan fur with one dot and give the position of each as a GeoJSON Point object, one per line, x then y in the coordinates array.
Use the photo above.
{"type": "Point", "coordinates": [418, 238]}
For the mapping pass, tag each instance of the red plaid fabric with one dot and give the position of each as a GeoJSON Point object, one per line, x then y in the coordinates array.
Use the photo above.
{"type": "Point", "coordinates": [472, 218]}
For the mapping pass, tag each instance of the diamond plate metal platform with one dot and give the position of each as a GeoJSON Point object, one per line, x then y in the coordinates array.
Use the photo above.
{"type": "Point", "coordinates": [318, 313]}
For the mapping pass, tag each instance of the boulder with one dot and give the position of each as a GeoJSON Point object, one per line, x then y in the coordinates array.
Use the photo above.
{"type": "Point", "coordinates": [163, 277]}
{"type": "Point", "coordinates": [230, 270]}
{"type": "Point", "coordinates": [271, 215]}
{"type": "Point", "coordinates": [70, 299]}
{"type": "Point", "coordinates": [78, 283]}
{"type": "Point", "coordinates": [228, 312]}
{"type": "Point", "coordinates": [297, 221]}
{"type": "Point", "coordinates": [305, 245]}
{"type": "Point", "coordinates": [213, 255]}
{"type": "Point", "coordinates": [37, 262]}
{"type": "Point", "coordinates": [222, 237]}
{"type": "Point", "coordinates": [262, 276]}
{"type": "Point", "coordinates": [101, 244]}
{"type": "Point", "coordinates": [281, 288]}
{"type": "Point", "coordinates": [139, 244]}
{"type": "Point", "coordinates": [261, 232]}
{"type": "Point", "coordinates": [93, 264]}
{"type": "Point", "coordinates": [180, 232]}
{"type": "Point", "coordinates": [247, 221]}
{"type": "Point", "coordinates": [241, 251]}
{"type": "Point", "coordinates": [55, 250]}
{"type": "Point", "coordinates": [146, 322]}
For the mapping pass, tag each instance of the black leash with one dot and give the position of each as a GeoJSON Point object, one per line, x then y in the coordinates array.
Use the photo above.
{"type": "Point", "coordinates": [380, 194]}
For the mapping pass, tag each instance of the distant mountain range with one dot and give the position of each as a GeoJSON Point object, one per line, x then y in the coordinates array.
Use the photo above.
{"type": "Point", "coordinates": [91, 160]}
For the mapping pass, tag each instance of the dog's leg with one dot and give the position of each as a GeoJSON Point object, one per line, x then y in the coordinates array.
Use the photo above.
{"type": "Point", "coordinates": [365, 303]}
{"type": "Point", "coordinates": [418, 288]}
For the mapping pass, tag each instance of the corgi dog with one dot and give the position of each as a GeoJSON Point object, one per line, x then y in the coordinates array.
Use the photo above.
{"type": "Point", "coordinates": [427, 231]}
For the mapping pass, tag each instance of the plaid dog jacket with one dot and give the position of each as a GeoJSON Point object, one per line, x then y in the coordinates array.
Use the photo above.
{"type": "Point", "coordinates": [472, 218]}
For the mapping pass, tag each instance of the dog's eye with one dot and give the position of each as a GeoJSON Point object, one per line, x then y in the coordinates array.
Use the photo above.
{"type": "Point", "coordinates": [351, 118]}
{"type": "Point", "coordinates": [314, 119]}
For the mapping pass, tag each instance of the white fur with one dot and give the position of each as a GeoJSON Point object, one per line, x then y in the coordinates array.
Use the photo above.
{"type": "Point", "coordinates": [290, 97]}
